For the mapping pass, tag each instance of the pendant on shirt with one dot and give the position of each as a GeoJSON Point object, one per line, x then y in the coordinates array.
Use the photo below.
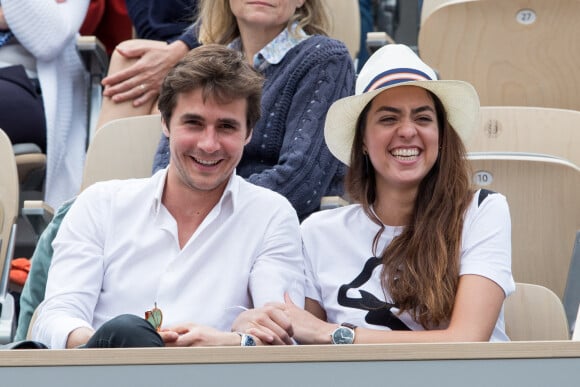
{"type": "Point", "coordinates": [155, 317]}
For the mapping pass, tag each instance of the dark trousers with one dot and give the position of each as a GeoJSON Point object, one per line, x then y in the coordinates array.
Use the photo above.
{"type": "Point", "coordinates": [21, 108]}
{"type": "Point", "coordinates": [125, 331]}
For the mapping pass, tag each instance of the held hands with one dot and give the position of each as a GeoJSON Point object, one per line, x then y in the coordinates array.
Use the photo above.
{"type": "Point", "coordinates": [270, 324]}
{"type": "Point", "coordinates": [141, 80]}
{"type": "Point", "coordinates": [280, 323]}
{"type": "Point", "coordinates": [193, 335]}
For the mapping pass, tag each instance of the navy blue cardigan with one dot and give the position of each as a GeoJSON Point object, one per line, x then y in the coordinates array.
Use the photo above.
{"type": "Point", "coordinates": [287, 152]}
{"type": "Point", "coordinates": [165, 20]}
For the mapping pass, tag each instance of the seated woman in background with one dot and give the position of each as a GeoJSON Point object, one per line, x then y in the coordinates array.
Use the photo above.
{"type": "Point", "coordinates": [421, 256]}
{"type": "Point", "coordinates": [42, 47]}
{"type": "Point", "coordinates": [306, 71]}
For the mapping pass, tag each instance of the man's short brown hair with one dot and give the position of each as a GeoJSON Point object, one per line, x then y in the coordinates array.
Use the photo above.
{"type": "Point", "coordinates": [220, 73]}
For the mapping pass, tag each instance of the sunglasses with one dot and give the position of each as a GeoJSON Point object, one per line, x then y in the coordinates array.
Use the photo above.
{"type": "Point", "coordinates": [155, 317]}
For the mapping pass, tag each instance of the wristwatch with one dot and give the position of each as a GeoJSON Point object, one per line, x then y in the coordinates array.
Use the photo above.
{"type": "Point", "coordinates": [344, 334]}
{"type": "Point", "coordinates": [246, 340]}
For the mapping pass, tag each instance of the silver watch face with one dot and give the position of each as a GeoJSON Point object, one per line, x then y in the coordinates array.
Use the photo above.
{"type": "Point", "coordinates": [342, 335]}
{"type": "Point", "coordinates": [248, 341]}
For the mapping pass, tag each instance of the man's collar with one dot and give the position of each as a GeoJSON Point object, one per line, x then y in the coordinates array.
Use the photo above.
{"type": "Point", "coordinates": [230, 192]}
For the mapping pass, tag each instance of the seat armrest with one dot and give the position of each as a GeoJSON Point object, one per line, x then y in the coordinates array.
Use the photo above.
{"type": "Point", "coordinates": [7, 319]}
{"type": "Point", "coordinates": [25, 148]}
{"type": "Point", "coordinates": [38, 214]}
{"type": "Point", "coordinates": [376, 40]}
{"type": "Point", "coordinates": [93, 55]}
{"type": "Point", "coordinates": [328, 202]}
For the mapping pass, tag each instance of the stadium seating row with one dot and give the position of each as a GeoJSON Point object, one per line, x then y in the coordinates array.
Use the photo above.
{"type": "Point", "coordinates": [526, 147]}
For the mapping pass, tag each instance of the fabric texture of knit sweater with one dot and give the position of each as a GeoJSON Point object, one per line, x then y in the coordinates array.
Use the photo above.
{"type": "Point", "coordinates": [287, 152]}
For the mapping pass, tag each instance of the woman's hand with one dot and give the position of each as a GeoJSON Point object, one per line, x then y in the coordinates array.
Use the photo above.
{"type": "Point", "coordinates": [308, 329]}
{"type": "Point", "coordinates": [141, 80]}
{"type": "Point", "coordinates": [270, 324]}
{"type": "Point", "coordinates": [193, 335]}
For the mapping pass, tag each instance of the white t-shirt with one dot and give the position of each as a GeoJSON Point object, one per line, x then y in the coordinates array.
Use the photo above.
{"type": "Point", "coordinates": [344, 276]}
{"type": "Point", "coordinates": [117, 252]}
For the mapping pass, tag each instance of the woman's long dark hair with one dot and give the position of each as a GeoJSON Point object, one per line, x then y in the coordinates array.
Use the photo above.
{"type": "Point", "coordinates": [421, 265]}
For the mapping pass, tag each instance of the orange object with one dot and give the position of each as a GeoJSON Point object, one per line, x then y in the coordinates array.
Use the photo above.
{"type": "Point", "coordinates": [19, 270]}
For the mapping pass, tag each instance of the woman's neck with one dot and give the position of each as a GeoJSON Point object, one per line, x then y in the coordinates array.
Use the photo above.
{"type": "Point", "coordinates": [394, 207]}
{"type": "Point", "coordinates": [255, 38]}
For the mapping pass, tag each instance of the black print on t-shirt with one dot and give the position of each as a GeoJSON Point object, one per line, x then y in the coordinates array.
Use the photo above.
{"type": "Point", "coordinates": [484, 193]}
{"type": "Point", "coordinates": [379, 312]}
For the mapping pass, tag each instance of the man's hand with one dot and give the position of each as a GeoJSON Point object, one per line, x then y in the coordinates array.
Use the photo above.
{"type": "Point", "coordinates": [270, 324]}
{"type": "Point", "coordinates": [146, 62]}
{"type": "Point", "coordinates": [193, 335]}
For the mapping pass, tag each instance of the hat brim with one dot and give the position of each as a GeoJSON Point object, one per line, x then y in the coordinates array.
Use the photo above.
{"type": "Point", "coordinates": [460, 100]}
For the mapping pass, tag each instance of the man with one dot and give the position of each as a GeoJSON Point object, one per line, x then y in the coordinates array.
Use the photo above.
{"type": "Point", "coordinates": [195, 240]}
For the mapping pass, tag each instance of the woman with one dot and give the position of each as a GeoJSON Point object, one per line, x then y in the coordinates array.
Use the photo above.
{"type": "Point", "coordinates": [44, 41]}
{"type": "Point", "coordinates": [420, 257]}
{"type": "Point", "coordinates": [305, 72]}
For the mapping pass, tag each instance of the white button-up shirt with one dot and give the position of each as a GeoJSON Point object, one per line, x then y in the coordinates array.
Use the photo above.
{"type": "Point", "coordinates": [117, 252]}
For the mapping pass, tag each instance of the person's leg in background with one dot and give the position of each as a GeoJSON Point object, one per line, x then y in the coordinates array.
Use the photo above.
{"type": "Point", "coordinates": [366, 25]}
{"type": "Point", "coordinates": [21, 109]}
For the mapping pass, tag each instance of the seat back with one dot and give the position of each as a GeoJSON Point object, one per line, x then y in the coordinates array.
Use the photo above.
{"type": "Point", "coordinates": [8, 215]}
{"type": "Point", "coordinates": [122, 149]}
{"type": "Point", "coordinates": [543, 196]}
{"type": "Point", "coordinates": [515, 53]}
{"type": "Point", "coordinates": [429, 6]}
{"type": "Point", "coordinates": [546, 131]}
{"type": "Point", "coordinates": [534, 313]}
{"type": "Point", "coordinates": [345, 23]}
{"type": "Point", "coordinates": [8, 199]}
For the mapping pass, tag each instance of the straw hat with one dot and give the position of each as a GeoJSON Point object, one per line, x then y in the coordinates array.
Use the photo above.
{"type": "Point", "coordinates": [391, 66]}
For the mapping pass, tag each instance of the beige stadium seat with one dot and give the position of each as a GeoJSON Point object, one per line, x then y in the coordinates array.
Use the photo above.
{"type": "Point", "coordinates": [547, 131]}
{"type": "Point", "coordinates": [8, 214]}
{"type": "Point", "coordinates": [122, 149]}
{"type": "Point", "coordinates": [535, 313]}
{"type": "Point", "coordinates": [515, 53]}
{"type": "Point", "coordinates": [543, 196]}
{"type": "Point", "coordinates": [345, 23]}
